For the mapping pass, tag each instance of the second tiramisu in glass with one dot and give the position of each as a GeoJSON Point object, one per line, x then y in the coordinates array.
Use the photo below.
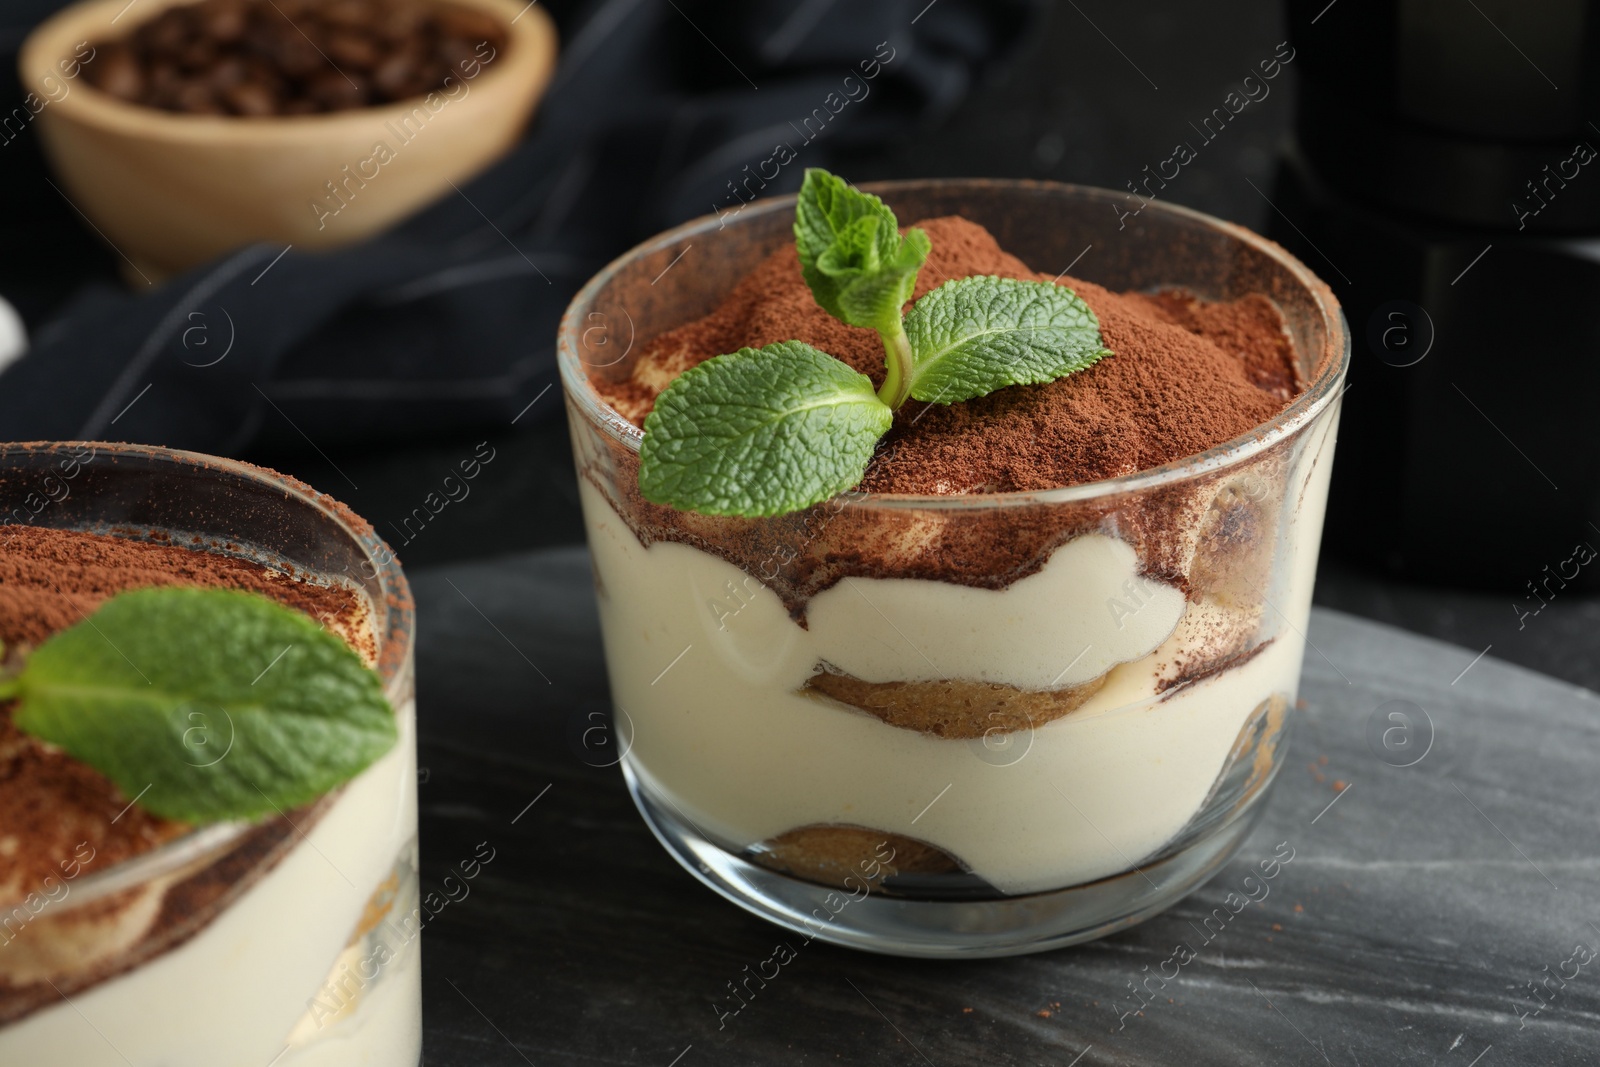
{"type": "Point", "coordinates": [207, 769]}
{"type": "Point", "coordinates": [1027, 680]}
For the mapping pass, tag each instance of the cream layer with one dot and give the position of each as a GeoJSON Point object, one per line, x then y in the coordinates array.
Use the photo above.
{"type": "Point", "coordinates": [719, 727]}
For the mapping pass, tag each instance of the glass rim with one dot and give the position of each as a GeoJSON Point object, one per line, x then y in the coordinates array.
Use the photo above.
{"type": "Point", "coordinates": [394, 668]}
{"type": "Point", "coordinates": [1320, 392]}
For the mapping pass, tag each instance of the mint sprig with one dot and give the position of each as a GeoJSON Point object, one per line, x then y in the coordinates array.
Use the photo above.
{"type": "Point", "coordinates": [763, 432]}
{"type": "Point", "coordinates": [860, 270]}
{"type": "Point", "coordinates": [760, 432]}
{"type": "Point", "coordinates": [207, 705]}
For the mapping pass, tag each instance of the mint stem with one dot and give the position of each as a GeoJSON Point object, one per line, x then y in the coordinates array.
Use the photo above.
{"type": "Point", "coordinates": [897, 382]}
{"type": "Point", "coordinates": [10, 669]}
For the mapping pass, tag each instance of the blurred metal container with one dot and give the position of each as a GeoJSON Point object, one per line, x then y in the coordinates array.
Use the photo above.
{"type": "Point", "coordinates": [1444, 178]}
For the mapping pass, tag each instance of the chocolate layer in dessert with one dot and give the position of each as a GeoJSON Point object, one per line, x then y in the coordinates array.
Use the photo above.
{"type": "Point", "coordinates": [61, 820]}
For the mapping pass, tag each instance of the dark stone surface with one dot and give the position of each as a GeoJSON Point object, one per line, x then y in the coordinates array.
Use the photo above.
{"type": "Point", "coordinates": [1416, 909]}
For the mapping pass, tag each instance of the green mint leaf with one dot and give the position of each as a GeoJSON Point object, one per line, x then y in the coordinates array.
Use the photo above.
{"type": "Point", "coordinates": [860, 270]}
{"type": "Point", "coordinates": [972, 336]}
{"type": "Point", "coordinates": [207, 704]}
{"type": "Point", "coordinates": [760, 432]}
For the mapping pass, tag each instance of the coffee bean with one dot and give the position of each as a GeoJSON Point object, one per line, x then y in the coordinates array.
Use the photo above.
{"type": "Point", "coordinates": [404, 23]}
{"type": "Point", "coordinates": [117, 72]}
{"type": "Point", "coordinates": [163, 77]}
{"type": "Point", "coordinates": [454, 52]}
{"type": "Point", "coordinates": [251, 98]}
{"type": "Point", "coordinates": [354, 14]}
{"type": "Point", "coordinates": [353, 50]}
{"type": "Point", "coordinates": [298, 57]}
{"type": "Point", "coordinates": [166, 34]}
{"type": "Point", "coordinates": [223, 21]}
{"type": "Point", "coordinates": [197, 54]}
{"type": "Point", "coordinates": [469, 24]}
{"type": "Point", "coordinates": [196, 98]}
{"type": "Point", "coordinates": [335, 91]}
{"type": "Point", "coordinates": [226, 72]}
{"type": "Point", "coordinates": [395, 73]}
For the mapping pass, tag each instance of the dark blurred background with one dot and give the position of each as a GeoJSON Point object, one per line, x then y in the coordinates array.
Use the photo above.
{"type": "Point", "coordinates": [1389, 155]}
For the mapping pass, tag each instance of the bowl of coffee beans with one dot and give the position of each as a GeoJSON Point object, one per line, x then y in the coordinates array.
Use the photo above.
{"type": "Point", "coordinates": [184, 129]}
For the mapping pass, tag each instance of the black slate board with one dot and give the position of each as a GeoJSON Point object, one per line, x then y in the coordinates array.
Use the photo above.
{"type": "Point", "coordinates": [1416, 912]}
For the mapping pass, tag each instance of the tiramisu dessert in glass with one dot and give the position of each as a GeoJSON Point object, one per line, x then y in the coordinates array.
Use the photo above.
{"type": "Point", "coordinates": [954, 552]}
{"type": "Point", "coordinates": [207, 769]}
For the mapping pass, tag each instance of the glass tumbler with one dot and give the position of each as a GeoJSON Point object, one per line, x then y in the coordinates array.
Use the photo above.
{"type": "Point", "coordinates": [290, 941]}
{"type": "Point", "coordinates": [863, 749]}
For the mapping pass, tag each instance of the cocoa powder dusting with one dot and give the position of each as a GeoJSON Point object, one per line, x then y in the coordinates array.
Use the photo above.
{"type": "Point", "coordinates": [1186, 375]}
{"type": "Point", "coordinates": [49, 580]}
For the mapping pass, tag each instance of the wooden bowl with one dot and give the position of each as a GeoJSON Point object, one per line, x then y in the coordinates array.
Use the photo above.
{"type": "Point", "coordinates": [170, 191]}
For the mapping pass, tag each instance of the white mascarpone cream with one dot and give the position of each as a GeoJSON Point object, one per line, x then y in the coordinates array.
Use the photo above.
{"type": "Point", "coordinates": [708, 667]}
